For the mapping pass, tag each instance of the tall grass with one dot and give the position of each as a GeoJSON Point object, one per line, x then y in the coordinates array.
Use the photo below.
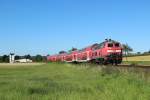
{"type": "Point", "coordinates": [73, 82]}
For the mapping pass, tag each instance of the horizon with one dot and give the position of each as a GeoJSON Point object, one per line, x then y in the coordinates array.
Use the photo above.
{"type": "Point", "coordinates": [47, 27]}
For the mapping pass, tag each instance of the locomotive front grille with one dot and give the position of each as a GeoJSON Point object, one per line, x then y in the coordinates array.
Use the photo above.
{"type": "Point", "coordinates": [114, 56]}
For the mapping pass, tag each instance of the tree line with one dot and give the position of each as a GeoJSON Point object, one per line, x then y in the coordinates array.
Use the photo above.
{"type": "Point", "coordinates": [37, 58]}
{"type": "Point", "coordinates": [127, 51]}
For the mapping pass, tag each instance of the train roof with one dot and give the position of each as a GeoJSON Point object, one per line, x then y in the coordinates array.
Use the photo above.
{"type": "Point", "coordinates": [91, 47]}
{"type": "Point", "coordinates": [110, 40]}
{"type": "Point", "coordinates": [98, 45]}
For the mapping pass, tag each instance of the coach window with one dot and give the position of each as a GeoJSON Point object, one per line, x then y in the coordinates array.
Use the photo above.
{"type": "Point", "coordinates": [110, 45]}
{"type": "Point", "coordinates": [92, 54]}
{"type": "Point", "coordinates": [95, 53]}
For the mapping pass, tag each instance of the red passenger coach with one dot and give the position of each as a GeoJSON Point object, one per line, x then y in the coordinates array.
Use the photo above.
{"type": "Point", "coordinates": [109, 51]}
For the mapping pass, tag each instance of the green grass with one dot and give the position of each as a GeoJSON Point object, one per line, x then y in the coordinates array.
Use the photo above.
{"type": "Point", "coordinates": [72, 82]}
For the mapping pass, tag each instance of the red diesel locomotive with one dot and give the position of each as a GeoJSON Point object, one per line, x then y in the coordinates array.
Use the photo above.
{"type": "Point", "coordinates": [107, 52]}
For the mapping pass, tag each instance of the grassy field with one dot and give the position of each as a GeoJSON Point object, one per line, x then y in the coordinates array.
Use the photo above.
{"type": "Point", "coordinates": [138, 58]}
{"type": "Point", "coordinates": [72, 82]}
{"type": "Point", "coordinates": [146, 63]}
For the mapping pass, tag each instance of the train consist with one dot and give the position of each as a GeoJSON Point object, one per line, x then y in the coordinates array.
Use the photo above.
{"type": "Point", "coordinates": [107, 52]}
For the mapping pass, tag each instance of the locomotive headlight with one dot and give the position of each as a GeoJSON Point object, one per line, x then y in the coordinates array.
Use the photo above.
{"type": "Point", "coordinates": [110, 51]}
{"type": "Point", "coordinates": [118, 50]}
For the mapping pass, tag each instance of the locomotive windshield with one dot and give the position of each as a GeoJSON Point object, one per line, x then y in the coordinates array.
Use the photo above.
{"type": "Point", "coordinates": [110, 44]}
{"type": "Point", "coordinates": [117, 44]}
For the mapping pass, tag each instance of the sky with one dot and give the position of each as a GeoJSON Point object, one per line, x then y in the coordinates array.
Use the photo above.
{"type": "Point", "coordinates": [48, 26]}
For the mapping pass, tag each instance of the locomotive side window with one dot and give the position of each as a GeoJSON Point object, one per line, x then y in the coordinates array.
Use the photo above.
{"type": "Point", "coordinates": [110, 45]}
{"type": "Point", "coordinates": [92, 54]}
{"type": "Point", "coordinates": [117, 45]}
{"type": "Point", "coordinates": [99, 53]}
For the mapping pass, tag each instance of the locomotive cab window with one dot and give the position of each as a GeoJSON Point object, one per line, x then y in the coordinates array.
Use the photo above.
{"type": "Point", "coordinates": [117, 45]}
{"type": "Point", "coordinates": [110, 44]}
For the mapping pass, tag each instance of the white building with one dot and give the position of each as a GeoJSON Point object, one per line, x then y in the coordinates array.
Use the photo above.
{"type": "Point", "coordinates": [12, 59]}
{"type": "Point", "coordinates": [23, 61]}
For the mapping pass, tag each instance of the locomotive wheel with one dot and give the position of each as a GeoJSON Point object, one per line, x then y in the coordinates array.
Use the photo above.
{"type": "Point", "coordinates": [116, 62]}
{"type": "Point", "coordinates": [75, 62]}
{"type": "Point", "coordinates": [100, 61]}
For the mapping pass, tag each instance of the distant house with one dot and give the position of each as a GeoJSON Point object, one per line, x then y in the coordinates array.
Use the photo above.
{"type": "Point", "coordinates": [23, 61]}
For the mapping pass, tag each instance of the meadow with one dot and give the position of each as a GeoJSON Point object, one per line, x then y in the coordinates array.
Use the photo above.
{"type": "Point", "coordinates": [60, 81]}
{"type": "Point", "coordinates": [139, 60]}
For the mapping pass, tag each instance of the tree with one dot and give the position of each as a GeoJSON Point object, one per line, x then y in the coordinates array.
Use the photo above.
{"type": "Point", "coordinates": [138, 53]}
{"type": "Point", "coordinates": [38, 58]}
{"type": "Point", "coordinates": [62, 52]}
{"type": "Point", "coordinates": [73, 49]}
{"type": "Point", "coordinates": [27, 56]}
{"type": "Point", "coordinates": [44, 58]}
{"type": "Point", "coordinates": [0, 58]}
{"type": "Point", "coordinates": [146, 53]}
{"type": "Point", "coordinates": [126, 49]}
{"type": "Point", "coordinates": [17, 57]}
{"type": "Point", "coordinates": [5, 58]}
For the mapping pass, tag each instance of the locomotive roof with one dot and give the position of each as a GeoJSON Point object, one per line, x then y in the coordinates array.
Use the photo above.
{"type": "Point", "coordinates": [93, 47]}
{"type": "Point", "coordinates": [98, 45]}
{"type": "Point", "coordinates": [111, 41]}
